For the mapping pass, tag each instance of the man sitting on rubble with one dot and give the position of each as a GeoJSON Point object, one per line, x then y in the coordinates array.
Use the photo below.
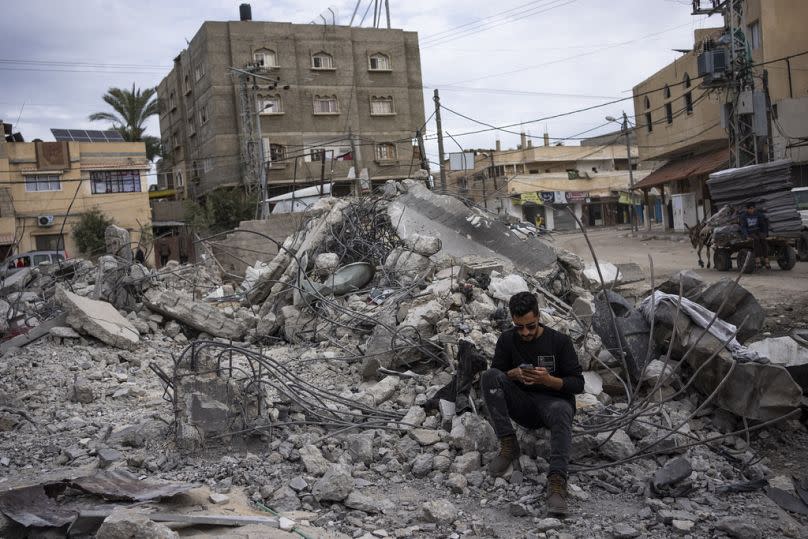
{"type": "Point", "coordinates": [532, 380]}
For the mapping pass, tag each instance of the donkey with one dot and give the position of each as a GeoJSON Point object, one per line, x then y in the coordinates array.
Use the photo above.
{"type": "Point", "coordinates": [701, 234]}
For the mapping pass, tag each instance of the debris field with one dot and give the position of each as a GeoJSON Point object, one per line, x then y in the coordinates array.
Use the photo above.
{"type": "Point", "coordinates": [333, 391]}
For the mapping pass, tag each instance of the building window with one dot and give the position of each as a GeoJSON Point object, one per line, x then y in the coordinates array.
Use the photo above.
{"type": "Point", "coordinates": [669, 113]}
{"type": "Point", "coordinates": [322, 60]}
{"type": "Point", "coordinates": [689, 102]}
{"type": "Point", "coordinates": [270, 104]}
{"type": "Point", "coordinates": [207, 164]}
{"type": "Point", "coordinates": [667, 92]}
{"type": "Point", "coordinates": [48, 242]}
{"type": "Point", "coordinates": [43, 182]}
{"type": "Point", "coordinates": [379, 62]}
{"type": "Point", "coordinates": [385, 152]}
{"type": "Point", "coordinates": [755, 38]}
{"type": "Point", "coordinates": [380, 106]}
{"type": "Point", "coordinates": [649, 124]}
{"type": "Point", "coordinates": [203, 114]}
{"type": "Point", "coordinates": [686, 81]}
{"type": "Point", "coordinates": [647, 103]}
{"type": "Point", "coordinates": [172, 101]}
{"type": "Point", "coordinates": [191, 129]}
{"type": "Point", "coordinates": [199, 72]}
{"type": "Point", "coordinates": [175, 140]}
{"type": "Point", "coordinates": [115, 181]}
{"type": "Point", "coordinates": [326, 104]}
{"type": "Point", "coordinates": [178, 176]}
{"type": "Point", "coordinates": [187, 83]}
{"type": "Point", "coordinates": [274, 152]}
{"type": "Point", "coordinates": [265, 58]}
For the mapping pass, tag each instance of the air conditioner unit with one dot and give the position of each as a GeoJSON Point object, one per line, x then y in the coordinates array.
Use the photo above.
{"type": "Point", "coordinates": [45, 220]}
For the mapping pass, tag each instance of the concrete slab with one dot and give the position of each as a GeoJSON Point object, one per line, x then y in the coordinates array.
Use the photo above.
{"type": "Point", "coordinates": [99, 319]}
{"type": "Point", "coordinates": [465, 230]}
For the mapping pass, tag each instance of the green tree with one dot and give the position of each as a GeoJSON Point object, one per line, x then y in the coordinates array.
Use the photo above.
{"type": "Point", "coordinates": [222, 209]}
{"type": "Point", "coordinates": [132, 109]}
{"type": "Point", "coordinates": [89, 232]}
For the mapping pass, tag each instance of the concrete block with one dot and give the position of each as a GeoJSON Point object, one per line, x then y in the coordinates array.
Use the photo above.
{"type": "Point", "coordinates": [99, 319]}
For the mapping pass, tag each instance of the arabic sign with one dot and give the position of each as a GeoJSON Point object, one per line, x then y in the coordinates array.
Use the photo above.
{"type": "Point", "coordinates": [530, 197]}
{"type": "Point", "coordinates": [577, 196]}
{"type": "Point", "coordinates": [625, 198]}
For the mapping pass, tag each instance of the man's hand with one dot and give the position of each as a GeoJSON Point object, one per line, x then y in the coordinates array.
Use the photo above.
{"type": "Point", "coordinates": [540, 376]}
{"type": "Point", "coordinates": [517, 375]}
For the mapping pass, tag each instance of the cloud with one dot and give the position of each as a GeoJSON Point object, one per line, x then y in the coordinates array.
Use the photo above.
{"type": "Point", "coordinates": [532, 49]}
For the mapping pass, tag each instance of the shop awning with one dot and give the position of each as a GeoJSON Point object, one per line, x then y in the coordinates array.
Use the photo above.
{"type": "Point", "coordinates": [681, 169]}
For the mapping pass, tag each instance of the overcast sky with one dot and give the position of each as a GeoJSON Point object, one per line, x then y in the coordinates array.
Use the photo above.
{"type": "Point", "coordinates": [498, 62]}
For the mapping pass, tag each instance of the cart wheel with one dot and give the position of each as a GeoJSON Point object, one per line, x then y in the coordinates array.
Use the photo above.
{"type": "Point", "coordinates": [802, 247]}
{"type": "Point", "coordinates": [787, 258]}
{"type": "Point", "coordinates": [722, 261]}
{"type": "Point", "coordinates": [746, 261]}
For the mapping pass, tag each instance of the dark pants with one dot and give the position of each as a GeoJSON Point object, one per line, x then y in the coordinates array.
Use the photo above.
{"type": "Point", "coordinates": [759, 245]}
{"type": "Point", "coordinates": [505, 400]}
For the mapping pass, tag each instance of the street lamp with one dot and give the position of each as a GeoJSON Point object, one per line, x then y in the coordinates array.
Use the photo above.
{"type": "Point", "coordinates": [625, 131]}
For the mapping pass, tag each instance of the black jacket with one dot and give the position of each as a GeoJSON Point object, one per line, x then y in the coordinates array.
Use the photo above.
{"type": "Point", "coordinates": [511, 352]}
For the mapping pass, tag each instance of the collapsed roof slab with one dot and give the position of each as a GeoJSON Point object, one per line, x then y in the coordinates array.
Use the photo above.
{"type": "Point", "coordinates": [465, 231]}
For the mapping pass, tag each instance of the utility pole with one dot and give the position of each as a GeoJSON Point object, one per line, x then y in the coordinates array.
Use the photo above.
{"type": "Point", "coordinates": [422, 150]}
{"type": "Point", "coordinates": [631, 209]}
{"type": "Point", "coordinates": [322, 170]}
{"type": "Point", "coordinates": [262, 172]}
{"type": "Point", "coordinates": [494, 177]}
{"type": "Point", "coordinates": [355, 159]}
{"type": "Point", "coordinates": [440, 142]}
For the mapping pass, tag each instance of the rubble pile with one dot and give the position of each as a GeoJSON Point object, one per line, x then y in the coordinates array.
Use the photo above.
{"type": "Point", "coordinates": [338, 387]}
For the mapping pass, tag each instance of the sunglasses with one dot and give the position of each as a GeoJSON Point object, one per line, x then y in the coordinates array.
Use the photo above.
{"type": "Point", "coordinates": [530, 327]}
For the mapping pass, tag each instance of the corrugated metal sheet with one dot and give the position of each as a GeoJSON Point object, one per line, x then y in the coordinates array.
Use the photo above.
{"type": "Point", "coordinates": [685, 168]}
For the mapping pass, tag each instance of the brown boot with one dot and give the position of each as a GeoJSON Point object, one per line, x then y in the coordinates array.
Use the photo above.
{"type": "Point", "coordinates": [556, 495]}
{"type": "Point", "coordinates": [508, 452]}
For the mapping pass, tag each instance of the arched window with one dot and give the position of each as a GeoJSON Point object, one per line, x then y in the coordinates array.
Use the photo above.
{"type": "Point", "coordinates": [322, 60]}
{"type": "Point", "coordinates": [647, 103]}
{"type": "Point", "coordinates": [326, 104]}
{"type": "Point", "coordinates": [686, 81]}
{"type": "Point", "coordinates": [667, 91]}
{"type": "Point", "coordinates": [265, 58]}
{"type": "Point", "coordinates": [379, 62]}
{"type": "Point", "coordinates": [381, 105]}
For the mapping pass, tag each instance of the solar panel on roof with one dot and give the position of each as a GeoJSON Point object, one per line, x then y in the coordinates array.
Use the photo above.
{"type": "Point", "coordinates": [87, 135]}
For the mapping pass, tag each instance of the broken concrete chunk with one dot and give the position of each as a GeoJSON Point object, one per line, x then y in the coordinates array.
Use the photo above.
{"type": "Point", "coordinates": [326, 263]}
{"type": "Point", "coordinates": [99, 319]}
{"type": "Point", "coordinates": [593, 383]}
{"type": "Point", "coordinates": [439, 511]}
{"type": "Point", "coordinates": [63, 332]}
{"type": "Point", "coordinates": [423, 245]}
{"type": "Point", "coordinates": [609, 272]}
{"type": "Point", "coordinates": [200, 316]}
{"type": "Point", "coordinates": [504, 287]}
{"type": "Point", "coordinates": [335, 485]}
{"type": "Point", "coordinates": [82, 391]}
{"type": "Point", "coordinates": [128, 524]}
{"type": "Point", "coordinates": [788, 353]}
{"type": "Point", "coordinates": [118, 243]}
{"type": "Point", "coordinates": [617, 445]}
{"type": "Point", "coordinates": [382, 391]}
{"type": "Point", "coordinates": [674, 471]}
{"type": "Point", "coordinates": [313, 460]}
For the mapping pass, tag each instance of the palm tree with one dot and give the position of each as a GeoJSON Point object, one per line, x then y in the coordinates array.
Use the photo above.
{"type": "Point", "coordinates": [132, 108]}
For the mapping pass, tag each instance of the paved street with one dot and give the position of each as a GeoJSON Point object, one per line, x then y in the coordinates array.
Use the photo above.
{"type": "Point", "coordinates": [612, 245]}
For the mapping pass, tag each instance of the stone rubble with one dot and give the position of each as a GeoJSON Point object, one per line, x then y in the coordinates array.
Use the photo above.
{"type": "Point", "coordinates": [92, 398]}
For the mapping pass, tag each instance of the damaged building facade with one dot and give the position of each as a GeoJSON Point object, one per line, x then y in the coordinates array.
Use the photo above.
{"type": "Point", "coordinates": [681, 112]}
{"type": "Point", "coordinates": [321, 94]}
{"type": "Point", "coordinates": [45, 187]}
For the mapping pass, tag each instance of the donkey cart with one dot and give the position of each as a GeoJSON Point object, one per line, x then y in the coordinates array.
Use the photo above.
{"type": "Point", "coordinates": [780, 249]}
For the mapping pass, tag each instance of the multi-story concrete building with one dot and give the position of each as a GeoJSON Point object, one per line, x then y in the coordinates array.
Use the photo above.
{"type": "Point", "coordinates": [681, 117]}
{"type": "Point", "coordinates": [45, 187]}
{"type": "Point", "coordinates": [316, 87]}
{"type": "Point", "coordinates": [531, 182]}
